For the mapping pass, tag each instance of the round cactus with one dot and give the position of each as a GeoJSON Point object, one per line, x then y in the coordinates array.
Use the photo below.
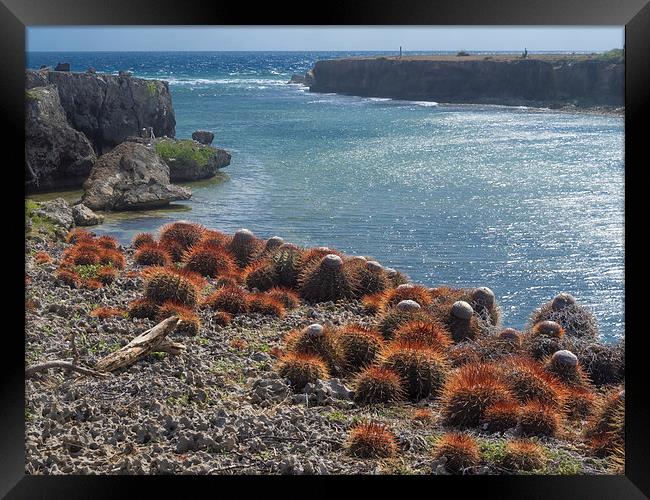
{"type": "Point", "coordinates": [314, 340]}
{"type": "Point", "coordinates": [605, 431]}
{"type": "Point", "coordinates": [372, 440]}
{"type": "Point", "coordinates": [184, 234]}
{"type": "Point", "coordinates": [374, 304]}
{"type": "Point", "coordinates": [357, 346]}
{"type": "Point", "coordinates": [408, 291]}
{"type": "Point", "coordinates": [538, 419]}
{"type": "Point", "coordinates": [327, 280]}
{"type": "Point", "coordinates": [549, 329]}
{"type": "Point", "coordinates": [395, 277]}
{"type": "Point", "coordinates": [484, 303]}
{"type": "Point", "coordinates": [371, 277]}
{"type": "Point", "coordinates": [67, 277]}
{"type": "Point", "coordinates": [152, 254]}
{"type": "Point", "coordinates": [287, 297]}
{"type": "Point", "coordinates": [143, 308]}
{"type": "Point", "coordinates": [576, 320]}
{"type": "Point", "coordinates": [566, 367]}
{"type": "Point", "coordinates": [528, 381]}
{"type": "Point", "coordinates": [260, 275]}
{"type": "Point", "coordinates": [501, 416]}
{"type": "Point", "coordinates": [376, 385]}
{"type": "Point", "coordinates": [189, 324]}
{"type": "Point", "coordinates": [302, 369]}
{"type": "Point", "coordinates": [469, 391]}
{"type": "Point", "coordinates": [244, 246]}
{"type": "Point", "coordinates": [286, 262]}
{"type": "Point", "coordinates": [163, 284]}
{"type": "Point", "coordinates": [510, 335]}
{"type": "Point", "coordinates": [461, 322]}
{"type": "Point", "coordinates": [265, 305]}
{"type": "Point", "coordinates": [209, 260]}
{"type": "Point", "coordinates": [523, 455]}
{"type": "Point", "coordinates": [404, 312]}
{"type": "Point", "coordinates": [429, 334]}
{"type": "Point", "coordinates": [423, 371]}
{"type": "Point", "coordinates": [460, 451]}
{"type": "Point", "coordinates": [142, 239]}
{"type": "Point", "coordinates": [231, 299]}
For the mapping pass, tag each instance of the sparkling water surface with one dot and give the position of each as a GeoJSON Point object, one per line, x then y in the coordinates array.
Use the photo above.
{"type": "Point", "coordinates": [528, 202]}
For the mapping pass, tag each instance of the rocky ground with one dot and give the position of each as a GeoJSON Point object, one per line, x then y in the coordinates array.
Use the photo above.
{"type": "Point", "coordinates": [217, 408]}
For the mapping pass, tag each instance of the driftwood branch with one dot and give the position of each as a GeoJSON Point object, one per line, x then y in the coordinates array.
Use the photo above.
{"type": "Point", "coordinates": [30, 371]}
{"type": "Point", "coordinates": [147, 342]}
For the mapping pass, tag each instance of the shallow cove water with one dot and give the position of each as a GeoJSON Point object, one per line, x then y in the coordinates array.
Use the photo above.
{"type": "Point", "coordinates": [528, 202]}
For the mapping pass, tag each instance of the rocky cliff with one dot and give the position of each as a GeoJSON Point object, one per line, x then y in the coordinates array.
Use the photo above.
{"type": "Point", "coordinates": [554, 82]}
{"type": "Point", "coordinates": [110, 108]}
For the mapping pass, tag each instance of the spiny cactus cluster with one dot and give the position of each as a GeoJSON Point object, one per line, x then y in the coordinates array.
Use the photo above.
{"type": "Point", "coordinates": [443, 348]}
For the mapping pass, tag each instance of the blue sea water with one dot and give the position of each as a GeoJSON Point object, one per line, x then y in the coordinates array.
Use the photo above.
{"type": "Point", "coordinates": [528, 202]}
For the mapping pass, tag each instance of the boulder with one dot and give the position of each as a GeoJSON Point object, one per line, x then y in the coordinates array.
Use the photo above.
{"type": "Point", "coordinates": [84, 216]}
{"type": "Point", "coordinates": [62, 67]}
{"type": "Point", "coordinates": [58, 212]}
{"type": "Point", "coordinates": [110, 108]}
{"type": "Point", "coordinates": [297, 78]}
{"type": "Point", "coordinates": [56, 155]}
{"type": "Point", "coordinates": [131, 177]}
{"type": "Point", "coordinates": [203, 136]}
{"type": "Point", "coordinates": [189, 160]}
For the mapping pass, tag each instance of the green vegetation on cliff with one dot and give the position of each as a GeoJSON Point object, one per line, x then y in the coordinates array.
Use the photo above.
{"type": "Point", "coordinates": [187, 150]}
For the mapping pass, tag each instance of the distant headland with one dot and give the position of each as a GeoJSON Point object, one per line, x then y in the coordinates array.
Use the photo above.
{"type": "Point", "coordinates": [553, 80]}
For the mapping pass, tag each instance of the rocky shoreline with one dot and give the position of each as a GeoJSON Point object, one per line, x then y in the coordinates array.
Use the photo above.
{"type": "Point", "coordinates": [226, 404]}
{"type": "Point", "coordinates": [567, 83]}
{"type": "Point", "coordinates": [75, 123]}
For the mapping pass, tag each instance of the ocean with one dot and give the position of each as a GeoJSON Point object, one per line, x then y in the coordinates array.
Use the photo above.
{"type": "Point", "coordinates": [528, 202]}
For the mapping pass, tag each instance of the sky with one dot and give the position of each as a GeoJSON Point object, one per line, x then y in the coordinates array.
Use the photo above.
{"type": "Point", "coordinates": [111, 38]}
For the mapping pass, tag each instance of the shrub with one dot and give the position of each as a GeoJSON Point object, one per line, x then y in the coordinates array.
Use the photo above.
{"type": "Point", "coordinates": [469, 391]}
{"type": "Point", "coordinates": [163, 284]}
{"type": "Point", "coordinates": [460, 450]}
{"type": "Point", "coordinates": [231, 299]}
{"type": "Point", "coordinates": [184, 150]}
{"type": "Point", "coordinates": [372, 440]}
{"type": "Point", "coordinates": [523, 455]}
{"type": "Point", "coordinates": [357, 346]}
{"type": "Point", "coordinates": [327, 280]}
{"type": "Point", "coordinates": [377, 385]}
{"type": "Point", "coordinates": [302, 369]}
{"type": "Point", "coordinates": [423, 371]}
{"type": "Point", "coordinates": [539, 419]}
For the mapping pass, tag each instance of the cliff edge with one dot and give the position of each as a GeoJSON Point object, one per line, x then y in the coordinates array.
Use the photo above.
{"type": "Point", "coordinates": [540, 81]}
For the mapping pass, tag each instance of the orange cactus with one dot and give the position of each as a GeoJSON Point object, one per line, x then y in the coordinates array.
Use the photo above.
{"type": "Point", "coordinates": [372, 440]}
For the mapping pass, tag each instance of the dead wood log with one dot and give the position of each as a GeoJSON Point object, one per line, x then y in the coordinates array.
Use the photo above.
{"type": "Point", "coordinates": [144, 344]}
{"type": "Point", "coordinates": [31, 370]}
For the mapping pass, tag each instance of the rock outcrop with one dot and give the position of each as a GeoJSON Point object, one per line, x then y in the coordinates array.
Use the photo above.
{"type": "Point", "coordinates": [109, 108]}
{"type": "Point", "coordinates": [58, 212]}
{"type": "Point", "coordinates": [550, 82]}
{"type": "Point", "coordinates": [203, 136]}
{"type": "Point", "coordinates": [132, 176]}
{"type": "Point", "coordinates": [56, 155]}
{"type": "Point", "coordinates": [84, 216]}
{"type": "Point", "coordinates": [190, 160]}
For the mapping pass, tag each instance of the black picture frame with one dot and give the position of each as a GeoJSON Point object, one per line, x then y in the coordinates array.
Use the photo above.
{"type": "Point", "coordinates": [15, 15]}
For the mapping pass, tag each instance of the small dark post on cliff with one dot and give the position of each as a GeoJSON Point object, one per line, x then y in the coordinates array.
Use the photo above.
{"type": "Point", "coordinates": [525, 54]}
{"type": "Point", "coordinates": [400, 51]}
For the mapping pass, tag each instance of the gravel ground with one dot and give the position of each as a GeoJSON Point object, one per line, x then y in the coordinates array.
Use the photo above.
{"type": "Point", "coordinates": [217, 408]}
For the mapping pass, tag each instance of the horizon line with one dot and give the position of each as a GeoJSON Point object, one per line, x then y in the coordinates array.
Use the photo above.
{"type": "Point", "coordinates": [328, 50]}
